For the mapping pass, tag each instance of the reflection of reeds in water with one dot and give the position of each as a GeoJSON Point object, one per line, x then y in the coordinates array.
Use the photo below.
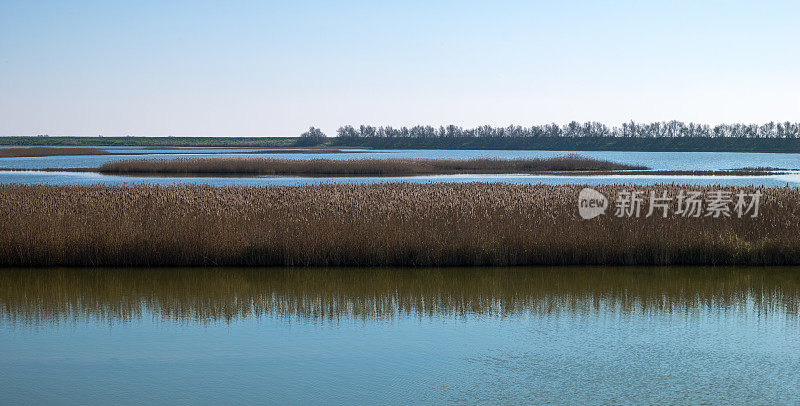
{"type": "Point", "coordinates": [31, 297]}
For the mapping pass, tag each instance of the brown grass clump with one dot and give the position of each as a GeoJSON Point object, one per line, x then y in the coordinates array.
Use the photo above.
{"type": "Point", "coordinates": [392, 224]}
{"type": "Point", "coordinates": [304, 151]}
{"type": "Point", "coordinates": [375, 167]}
{"type": "Point", "coordinates": [49, 151]}
{"type": "Point", "coordinates": [181, 150]}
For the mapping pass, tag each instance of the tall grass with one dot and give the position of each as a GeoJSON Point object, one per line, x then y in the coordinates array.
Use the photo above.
{"type": "Point", "coordinates": [378, 167]}
{"type": "Point", "coordinates": [49, 151]}
{"type": "Point", "coordinates": [284, 150]}
{"type": "Point", "coordinates": [392, 224]}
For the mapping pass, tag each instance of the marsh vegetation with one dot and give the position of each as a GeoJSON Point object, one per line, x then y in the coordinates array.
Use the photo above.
{"type": "Point", "coordinates": [357, 167]}
{"type": "Point", "coordinates": [49, 151]}
{"type": "Point", "coordinates": [389, 224]}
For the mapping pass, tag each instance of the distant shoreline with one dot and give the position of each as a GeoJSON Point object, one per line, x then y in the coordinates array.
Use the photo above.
{"type": "Point", "coordinates": [219, 142]}
{"type": "Point", "coordinates": [704, 144]}
{"type": "Point", "coordinates": [29, 152]}
{"type": "Point", "coordinates": [663, 144]}
{"type": "Point", "coordinates": [244, 174]}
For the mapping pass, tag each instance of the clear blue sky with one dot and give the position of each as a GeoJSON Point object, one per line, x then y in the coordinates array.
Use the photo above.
{"type": "Point", "coordinates": [274, 68]}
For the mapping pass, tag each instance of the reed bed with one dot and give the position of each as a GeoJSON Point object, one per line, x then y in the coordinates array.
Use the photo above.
{"type": "Point", "coordinates": [305, 151]}
{"type": "Point", "coordinates": [49, 151]}
{"type": "Point", "coordinates": [287, 150]}
{"type": "Point", "coordinates": [390, 224]}
{"type": "Point", "coordinates": [355, 167]}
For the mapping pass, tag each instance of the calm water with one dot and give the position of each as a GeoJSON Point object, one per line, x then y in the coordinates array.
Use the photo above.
{"type": "Point", "coordinates": [542, 335]}
{"type": "Point", "coordinates": [654, 160]}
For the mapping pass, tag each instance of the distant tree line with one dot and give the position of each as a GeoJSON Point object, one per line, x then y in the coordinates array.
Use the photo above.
{"type": "Point", "coordinates": [665, 129]}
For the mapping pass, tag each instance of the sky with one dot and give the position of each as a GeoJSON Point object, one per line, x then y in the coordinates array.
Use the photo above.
{"type": "Point", "coordinates": [263, 68]}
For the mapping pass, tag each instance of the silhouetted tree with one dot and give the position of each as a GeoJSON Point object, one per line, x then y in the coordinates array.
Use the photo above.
{"type": "Point", "coordinates": [314, 136]}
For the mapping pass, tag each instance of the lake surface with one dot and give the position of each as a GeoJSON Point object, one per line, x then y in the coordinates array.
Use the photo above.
{"type": "Point", "coordinates": [344, 336]}
{"type": "Point", "coordinates": [654, 160]}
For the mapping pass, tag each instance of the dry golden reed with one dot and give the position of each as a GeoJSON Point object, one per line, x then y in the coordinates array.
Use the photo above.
{"type": "Point", "coordinates": [49, 151]}
{"type": "Point", "coordinates": [375, 167]}
{"type": "Point", "coordinates": [391, 224]}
